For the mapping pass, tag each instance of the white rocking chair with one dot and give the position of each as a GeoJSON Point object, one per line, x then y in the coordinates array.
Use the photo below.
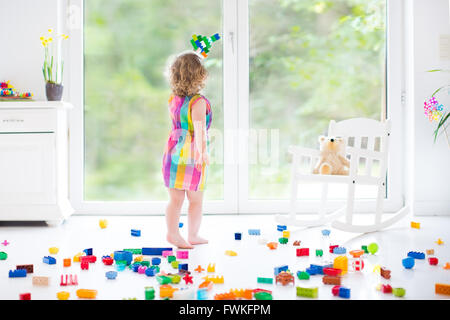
{"type": "Point", "coordinates": [357, 129]}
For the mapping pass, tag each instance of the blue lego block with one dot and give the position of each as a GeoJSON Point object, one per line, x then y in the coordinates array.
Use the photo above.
{"type": "Point", "coordinates": [135, 267]}
{"type": "Point", "coordinates": [202, 294]}
{"type": "Point", "coordinates": [180, 225]}
{"type": "Point", "coordinates": [88, 251]}
{"type": "Point", "coordinates": [416, 255]}
{"type": "Point", "coordinates": [314, 269]}
{"type": "Point", "coordinates": [49, 260]}
{"type": "Point", "coordinates": [20, 273]}
{"type": "Point", "coordinates": [183, 266]}
{"type": "Point", "coordinates": [408, 263]}
{"type": "Point", "coordinates": [277, 270]}
{"type": "Point", "coordinates": [344, 292]}
{"type": "Point", "coordinates": [156, 261]}
{"type": "Point", "coordinates": [281, 227]}
{"type": "Point", "coordinates": [237, 236]}
{"type": "Point", "coordinates": [123, 256]}
{"type": "Point", "coordinates": [154, 251]}
{"type": "Point", "coordinates": [216, 36]}
{"type": "Point", "coordinates": [339, 250]}
{"type": "Point", "coordinates": [326, 232]}
{"type": "Point", "coordinates": [254, 232]}
{"type": "Point", "coordinates": [151, 272]}
{"type": "Point", "coordinates": [135, 233]}
{"type": "Point", "coordinates": [111, 275]}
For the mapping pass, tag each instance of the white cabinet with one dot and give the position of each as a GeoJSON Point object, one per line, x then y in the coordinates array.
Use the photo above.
{"type": "Point", "coordinates": [34, 161]}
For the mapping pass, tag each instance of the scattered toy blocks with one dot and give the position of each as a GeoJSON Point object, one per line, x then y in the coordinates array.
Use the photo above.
{"type": "Point", "coordinates": [415, 225]}
{"type": "Point", "coordinates": [332, 247]}
{"type": "Point", "coordinates": [416, 255]}
{"type": "Point", "coordinates": [68, 262]}
{"type": "Point", "coordinates": [182, 254]}
{"type": "Point", "coordinates": [334, 280]}
{"type": "Point", "coordinates": [63, 295]}
{"type": "Point", "coordinates": [281, 228]}
{"type": "Point", "coordinates": [71, 280]}
{"type": "Point", "coordinates": [211, 268]}
{"type": "Point", "coordinates": [25, 296]}
{"type": "Point", "coordinates": [303, 275]}
{"type": "Point", "coordinates": [356, 253]}
{"type": "Point", "coordinates": [296, 243]}
{"type": "Point", "coordinates": [433, 261]}
{"type": "Point", "coordinates": [230, 253]}
{"type": "Point", "coordinates": [167, 253]}
{"type": "Point", "coordinates": [237, 236]}
{"type": "Point", "coordinates": [285, 278]}
{"type": "Point", "coordinates": [154, 251]}
{"type": "Point", "coordinates": [386, 288]}
{"type": "Point", "coordinates": [319, 252]}
{"type": "Point", "coordinates": [49, 260]}
{"type": "Point", "coordinates": [264, 280]}
{"type": "Point", "coordinates": [88, 251]}
{"type": "Point", "coordinates": [308, 292]}
{"type": "Point", "coordinates": [40, 281]}
{"type": "Point", "coordinates": [126, 256]}
{"type": "Point", "coordinates": [170, 259]}
{"type": "Point", "coordinates": [286, 234]}
{"type": "Point", "coordinates": [254, 232]}
{"type": "Point", "coordinates": [21, 273]}
{"type": "Point", "coordinates": [430, 252]}
{"type": "Point", "coordinates": [283, 240]}
{"type": "Point", "coordinates": [107, 260]}
{"type": "Point", "coordinates": [331, 272]}
{"type": "Point", "coordinates": [326, 232]}
{"type": "Point", "coordinates": [28, 267]}
{"type": "Point", "coordinates": [272, 245]}
{"type": "Point", "coordinates": [263, 295]}
{"type": "Point", "coordinates": [398, 292]}
{"type": "Point", "coordinates": [279, 269]}
{"type": "Point", "coordinates": [84, 265]}
{"type": "Point", "coordinates": [86, 293]}
{"type": "Point", "coordinates": [135, 233]}
{"type": "Point", "coordinates": [339, 250]}
{"type": "Point", "coordinates": [53, 250]}
{"type": "Point", "coordinates": [385, 273]}
{"type": "Point", "coordinates": [3, 255]}
{"type": "Point", "coordinates": [341, 262]}
{"type": "Point", "coordinates": [302, 252]}
{"type": "Point", "coordinates": [199, 269]}
{"type": "Point", "coordinates": [103, 223]}
{"type": "Point", "coordinates": [214, 279]}
{"type": "Point", "coordinates": [408, 263]}
{"type": "Point", "coordinates": [441, 288]}
{"type": "Point", "coordinates": [149, 293]}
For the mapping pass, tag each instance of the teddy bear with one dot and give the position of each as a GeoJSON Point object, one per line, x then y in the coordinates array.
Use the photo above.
{"type": "Point", "coordinates": [332, 156]}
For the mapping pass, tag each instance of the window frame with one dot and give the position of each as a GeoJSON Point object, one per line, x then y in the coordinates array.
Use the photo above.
{"type": "Point", "coordinates": [236, 120]}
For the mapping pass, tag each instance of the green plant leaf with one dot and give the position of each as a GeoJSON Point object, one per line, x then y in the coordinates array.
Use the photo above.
{"type": "Point", "coordinates": [441, 124]}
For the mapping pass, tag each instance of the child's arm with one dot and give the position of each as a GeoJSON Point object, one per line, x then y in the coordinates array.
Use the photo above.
{"type": "Point", "coordinates": [199, 121]}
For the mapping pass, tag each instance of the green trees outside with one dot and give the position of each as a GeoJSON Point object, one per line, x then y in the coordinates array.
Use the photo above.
{"type": "Point", "coordinates": [310, 62]}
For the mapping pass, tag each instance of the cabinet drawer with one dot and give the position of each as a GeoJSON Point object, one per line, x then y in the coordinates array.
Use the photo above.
{"type": "Point", "coordinates": [42, 120]}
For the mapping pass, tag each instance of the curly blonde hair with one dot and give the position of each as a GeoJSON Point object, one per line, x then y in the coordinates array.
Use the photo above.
{"type": "Point", "coordinates": [187, 74]}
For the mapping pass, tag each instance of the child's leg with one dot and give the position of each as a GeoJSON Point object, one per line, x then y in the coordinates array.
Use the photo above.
{"type": "Point", "coordinates": [195, 216]}
{"type": "Point", "coordinates": [173, 217]}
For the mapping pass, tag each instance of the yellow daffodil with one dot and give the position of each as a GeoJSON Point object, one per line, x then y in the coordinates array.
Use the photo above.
{"type": "Point", "coordinates": [41, 38]}
{"type": "Point", "coordinates": [50, 39]}
{"type": "Point", "coordinates": [50, 30]}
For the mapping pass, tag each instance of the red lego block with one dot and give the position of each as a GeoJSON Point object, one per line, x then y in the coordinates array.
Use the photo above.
{"type": "Point", "coordinates": [433, 261]}
{"type": "Point", "coordinates": [302, 252]}
{"type": "Point", "coordinates": [107, 261]}
{"type": "Point", "coordinates": [332, 271]}
{"type": "Point", "coordinates": [335, 290]}
{"type": "Point", "coordinates": [385, 288]}
{"type": "Point", "coordinates": [88, 259]}
{"type": "Point", "coordinates": [25, 296]}
{"type": "Point", "coordinates": [84, 265]}
{"type": "Point", "coordinates": [332, 248]}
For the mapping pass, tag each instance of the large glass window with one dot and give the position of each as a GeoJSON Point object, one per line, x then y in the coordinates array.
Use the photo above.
{"type": "Point", "coordinates": [311, 62]}
{"type": "Point", "coordinates": [126, 121]}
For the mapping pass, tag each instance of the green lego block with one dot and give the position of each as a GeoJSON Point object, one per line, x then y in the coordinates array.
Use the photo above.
{"type": "Point", "coordinates": [175, 264]}
{"type": "Point", "coordinates": [134, 251]}
{"type": "Point", "coordinates": [308, 292]}
{"type": "Point", "coordinates": [3, 255]}
{"type": "Point", "coordinates": [265, 280]}
{"type": "Point", "coordinates": [263, 296]}
{"type": "Point", "coordinates": [155, 267]}
{"type": "Point", "coordinates": [163, 279]}
{"type": "Point", "coordinates": [303, 275]}
{"type": "Point", "coordinates": [365, 249]}
{"type": "Point", "coordinates": [194, 45]}
{"type": "Point", "coordinates": [171, 258]}
{"type": "Point", "coordinates": [319, 252]}
{"type": "Point", "coordinates": [283, 240]}
{"type": "Point", "coordinates": [398, 292]}
{"type": "Point", "coordinates": [149, 293]}
{"type": "Point", "coordinates": [145, 263]}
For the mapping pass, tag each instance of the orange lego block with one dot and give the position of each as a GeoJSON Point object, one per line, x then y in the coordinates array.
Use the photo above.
{"type": "Point", "coordinates": [225, 296]}
{"type": "Point", "coordinates": [415, 225]}
{"type": "Point", "coordinates": [272, 245]}
{"type": "Point", "coordinates": [199, 269]}
{"type": "Point", "coordinates": [67, 262]}
{"type": "Point", "coordinates": [447, 266]}
{"type": "Point", "coordinates": [441, 288]}
{"type": "Point", "coordinates": [87, 293]}
{"type": "Point", "coordinates": [341, 262]}
{"type": "Point", "coordinates": [166, 291]}
{"type": "Point", "coordinates": [356, 253]}
{"type": "Point", "coordinates": [243, 293]}
{"type": "Point", "coordinates": [206, 284]}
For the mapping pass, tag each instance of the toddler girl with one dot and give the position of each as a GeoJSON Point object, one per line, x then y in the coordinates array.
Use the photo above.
{"type": "Point", "coordinates": [186, 160]}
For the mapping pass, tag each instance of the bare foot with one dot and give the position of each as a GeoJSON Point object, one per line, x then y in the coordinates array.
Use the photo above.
{"type": "Point", "coordinates": [197, 240]}
{"type": "Point", "coordinates": [177, 240]}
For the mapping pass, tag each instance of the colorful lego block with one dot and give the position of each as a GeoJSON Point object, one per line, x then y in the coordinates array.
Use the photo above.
{"type": "Point", "coordinates": [416, 255]}
{"type": "Point", "coordinates": [28, 267]}
{"type": "Point", "coordinates": [86, 293]}
{"type": "Point", "coordinates": [415, 225]}
{"type": "Point", "coordinates": [319, 252]}
{"type": "Point", "coordinates": [88, 251]}
{"type": "Point", "coordinates": [49, 260]}
{"type": "Point", "coordinates": [433, 261]}
{"type": "Point", "coordinates": [308, 292]}
{"type": "Point", "coordinates": [279, 269]}
{"type": "Point", "coordinates": [182, 254]}
{"type": "Point", "coordinates": [63, 295]}
{"type": "Point", "coordinates": [254, 232]}
{"type": "Point", "coordinates": [264, 280]}
{"type": "Point", "coordinates": [149, 293]}
{"type": "Point", "coordinates": [25, 296]}
{"type": "Point", "coordinates": [103, 223]}
{"type": "Point", "coordinates": [341, 262]}
{"type": "Point", "coordinates": [303, 275]}
{"type": "Point", "coordinates": [40, 281]}
{"type": "Point", "coordinates": [339, 250]}
{"type": "Point", "coordinates": [441, 288]}
{"type": "Point", "coordinates": [21, 273]}
{"type": "Point", "coordinates": [302, 252]}
{"type": "Point", "coordinates": [408, 263]}
{"type": "Point", "coordinates": [3, 255]}
{"type": "Point", "coordinates": [135, 233]}
{"type": "Point", "coordinates": [154, 251]}
{"type": "Point", "coordinates": [281, 227]}
{"type": "Point", "coordinates": [237, 236]}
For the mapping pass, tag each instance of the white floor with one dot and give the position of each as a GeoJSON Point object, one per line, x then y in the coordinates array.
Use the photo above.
{"type": "Point", "coordinates": [30, 243]}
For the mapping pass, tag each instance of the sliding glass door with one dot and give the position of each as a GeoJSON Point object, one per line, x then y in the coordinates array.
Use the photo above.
{"type": "Point", "coordinates": [281, 71]}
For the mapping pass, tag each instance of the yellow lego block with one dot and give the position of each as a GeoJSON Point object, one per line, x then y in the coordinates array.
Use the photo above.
{"type": "Point", "coordinates": [439, 241]}
{"type": "Point", "coordinates": [286, 234]}
{"type": "Point", "coordinates": [415, 225]}
{"type": "Point", "coordinates": [215, 280]}
{"type": "Point", "coordinates": [103, 223]}
{"type": "Point", "coordinates": [166, 291]}
{"type": "Point", "coordinates": [341, 262]}
{"type": "Point", "coordinates": [138, 259]}
{"type": "Point", "coordinates": [211, 268]}
{"type": "Point", "coordinates": [53, 250]}
{"type": "Point", "coordinates": [76, 258]}
{"type": "Point", "coordinates": [63, 295]}
{"type": "Point", "coordinates": [230, 253]}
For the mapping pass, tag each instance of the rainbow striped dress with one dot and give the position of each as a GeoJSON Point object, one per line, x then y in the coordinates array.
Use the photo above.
{"type": "Point", "coordinates": [178, 166]}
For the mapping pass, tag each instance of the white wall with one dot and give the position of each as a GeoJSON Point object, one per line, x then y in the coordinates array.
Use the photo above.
{"type": "Point", "coordinates": [22, 23]}
{"type": "Point", "coordinates": [428, 163]}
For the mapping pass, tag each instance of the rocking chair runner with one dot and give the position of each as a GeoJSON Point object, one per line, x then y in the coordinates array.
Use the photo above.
{"type": "Point", "coordinates": [357, 129]}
